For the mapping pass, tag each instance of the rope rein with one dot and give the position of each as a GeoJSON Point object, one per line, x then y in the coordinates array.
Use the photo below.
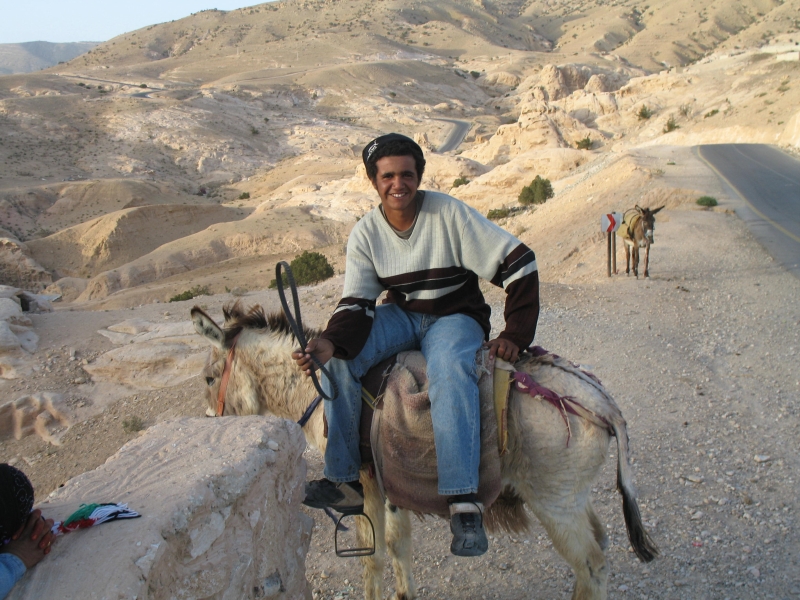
{"type": "Point", "coordinates": [297, 326]}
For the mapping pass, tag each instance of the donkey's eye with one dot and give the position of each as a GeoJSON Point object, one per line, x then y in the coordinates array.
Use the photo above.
{"type": "Point", "coordinates": [210, 381]}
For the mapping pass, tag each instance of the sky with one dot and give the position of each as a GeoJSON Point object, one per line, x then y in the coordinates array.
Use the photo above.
{"type": "Point", "coordinates": [94, 20]}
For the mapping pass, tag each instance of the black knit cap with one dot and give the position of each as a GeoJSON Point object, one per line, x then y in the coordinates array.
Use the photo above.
{"type": "Point", "coordinates": [16, 500]}
{"type": "Point", "coordinates": [370, 148]}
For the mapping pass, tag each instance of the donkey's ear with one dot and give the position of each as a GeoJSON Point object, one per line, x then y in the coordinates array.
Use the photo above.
{"type": "Point", "coordinates": [656, 210]}
{"type": "Point", "coordinates": [205, 326]}
{"type": "Point", "coordinates": [638, 208]}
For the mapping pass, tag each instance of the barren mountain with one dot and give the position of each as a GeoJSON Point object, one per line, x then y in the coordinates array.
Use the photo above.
{"type": "Point", "coordinates": [34, 56]}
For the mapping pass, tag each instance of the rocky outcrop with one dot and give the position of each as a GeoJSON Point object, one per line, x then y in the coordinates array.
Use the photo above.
{"type": "Point", "coordinates": [220, 505]}
{"type": "Point", "coordinates": [18, 341]}
{"type": "Point", "coordinates": [150, 356]}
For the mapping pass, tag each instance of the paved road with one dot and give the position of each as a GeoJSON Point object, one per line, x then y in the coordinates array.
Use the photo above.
{"type": "Point", "coordinates": [766, 183]}
{"type": "Point", "coordinates": [456, 136]}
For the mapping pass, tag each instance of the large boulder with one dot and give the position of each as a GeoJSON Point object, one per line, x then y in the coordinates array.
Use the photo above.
{"type": "Point", "coordinates": [220, 505]}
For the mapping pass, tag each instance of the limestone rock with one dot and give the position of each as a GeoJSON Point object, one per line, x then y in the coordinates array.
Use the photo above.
{"type": "Point", "coordinates": [45, 414]}
{"type": "Point", "coordinates": [153, 362]}
{"type": "Point", "coordinates": [11, 311]}
{"type": "Point", "coordinates": [220, 517]}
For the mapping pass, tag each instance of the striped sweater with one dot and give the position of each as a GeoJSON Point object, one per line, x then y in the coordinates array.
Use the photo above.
{"type": "Point", "coordinates": [436, 271]}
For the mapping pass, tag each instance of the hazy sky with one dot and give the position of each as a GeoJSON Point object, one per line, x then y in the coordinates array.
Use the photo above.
{"type": "Point", "coordinates": [93, 20]}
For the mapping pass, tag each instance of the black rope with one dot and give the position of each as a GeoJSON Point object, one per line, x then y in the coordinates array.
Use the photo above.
{"type": "Point", "coordinates": [297, 326]}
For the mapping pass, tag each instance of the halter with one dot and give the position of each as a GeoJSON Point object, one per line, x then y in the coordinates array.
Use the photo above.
{"type": "Point", "coordinates": [226, 375]}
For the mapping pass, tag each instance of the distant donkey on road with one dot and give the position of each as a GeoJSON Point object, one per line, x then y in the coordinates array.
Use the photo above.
{"type": "Point", "coordinates": [636, 231]}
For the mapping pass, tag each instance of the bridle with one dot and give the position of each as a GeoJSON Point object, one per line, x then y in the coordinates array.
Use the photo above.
{"type": "Point", "coordinates": [226, 375]}
{"type": "Point", "coordinates": [297, 329]}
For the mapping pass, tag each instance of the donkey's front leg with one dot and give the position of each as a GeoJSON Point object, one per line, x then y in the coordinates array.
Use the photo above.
{"type": "Point", "coordinates": [373, 565]}
{"type": "Point", "coordinates": [627, 259]}
{"type": "Point", "coordinates": [646, 261]}
{"type": "Point", "coordinates": [398, 538]}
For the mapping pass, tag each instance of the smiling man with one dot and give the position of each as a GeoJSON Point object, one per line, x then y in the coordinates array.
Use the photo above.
{"type": "Point", "coordinates": [428, 250]}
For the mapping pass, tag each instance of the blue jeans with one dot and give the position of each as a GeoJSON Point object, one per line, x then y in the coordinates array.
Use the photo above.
{"type": "Point", "coordinates": [449, 345]}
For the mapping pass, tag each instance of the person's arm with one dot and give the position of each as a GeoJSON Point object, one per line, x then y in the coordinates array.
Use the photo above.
{"type": "Point", "coordinates": [496, 255]}
{"type": "Point", "coordinates": [27, 547]}
{"type": "Point", "coordinates": [11, 570]}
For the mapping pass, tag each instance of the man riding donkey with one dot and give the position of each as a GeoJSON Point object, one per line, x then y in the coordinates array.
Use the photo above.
{"type": "Point", "coordinates": [427, 250]}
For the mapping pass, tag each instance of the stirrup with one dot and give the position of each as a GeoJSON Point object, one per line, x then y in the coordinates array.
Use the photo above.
{"type": "Point", "coordinates": [353, 552]}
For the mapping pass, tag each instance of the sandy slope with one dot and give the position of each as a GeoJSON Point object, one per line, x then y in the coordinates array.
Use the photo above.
{"type": "Point", "coordinates": [701, 358]}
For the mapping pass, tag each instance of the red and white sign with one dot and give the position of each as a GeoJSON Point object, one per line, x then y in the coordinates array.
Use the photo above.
{"type": "Point", "coordinates": [610, 222]}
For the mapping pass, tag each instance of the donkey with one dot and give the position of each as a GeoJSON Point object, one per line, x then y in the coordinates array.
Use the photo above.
{"type": "Point", "coordinates": [636, 231]}
{"type": "Point", "coordinates": [552, 460]}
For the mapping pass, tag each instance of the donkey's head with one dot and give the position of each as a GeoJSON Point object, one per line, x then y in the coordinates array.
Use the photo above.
{"type": "Point", "coordinates": [648, 221]}
{"type": "Point", "coordinates": [243, 397]}
{"type": "Point", "coordinates": [249, 366]}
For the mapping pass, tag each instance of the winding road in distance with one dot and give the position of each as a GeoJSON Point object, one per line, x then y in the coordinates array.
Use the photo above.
{"type": "Point", "coordinates": [767, 183]}
{"type": "Point", "coordinates": [456, 135]}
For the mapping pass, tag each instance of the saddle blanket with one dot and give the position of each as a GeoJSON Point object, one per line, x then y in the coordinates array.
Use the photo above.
{"type": "Point", "coordinates": [402, 438]}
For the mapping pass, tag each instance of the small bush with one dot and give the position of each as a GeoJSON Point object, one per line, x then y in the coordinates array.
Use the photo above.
{"type": "Point", "coordinates": [132, 424]}
{"type": "Point", "coordinates": [254, 131]}
{"type": "Point", "coordinates": [460, 181]}
{"type": "Point", "coordinates": [392, 94]}
{"type": "Point", "coordinates": [685, 110]}
{"type": "Point", "coordinates": [537, 192]}
{"type": "Point", "coordinates": [244, 196]}
{"type": "Point", "coordinates": [706, 201]}
{"type": "Point", "coordinates": [496, 214]}
{"type": "Point", "coordinates": [644, 113]}
{"type": "Point", "coordinates": [142, 85]}
{"type": "Point", "coordinates": [475, 74]}
{"type": "Point", "coordinates": [266, 119]}
{"type": "Point", "coordinates": [710, 113]}
{"type": "Point", "coordinates": [584, 144]}
{"type": "Point", "coordinates": [309, 267]}
{"type": "Point", "coordinates": [198, 290]}
{"type": "Point", "coordinates": [670, 125]}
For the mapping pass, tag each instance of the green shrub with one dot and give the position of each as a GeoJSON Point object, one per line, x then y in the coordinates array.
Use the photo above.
{"type": "Point", "coordinates": [460, 181]}
{"type": "Point", "coordinates": [710, 113]}
{"type": "Point", "coordinates": [475, 74]}
{"type": "Point", "coordinates": [142, 85]}
{"type": "Point", "coordinates": [706, 201]}
{"type": "Point", "coordinates": [132, 424]}
{"type": "Point", "coordinates": [670, 125]}
{"type": "Point", "coordinates": [644, 113]}
{"type": "Point", "coordinates": [309, 267]}
{"type": "Point", "coordinates": [198, 290]}
{"type": "Point", "coordinates": [584, 144]}
{"type": "Point", "coordinates": [537, 192]}
{"type": "Point", "coordinates": [254, 131]}
{"type": "Point", "coordinates": [497, 213]}
{"type": "Point", "coordinates": [244, 196]}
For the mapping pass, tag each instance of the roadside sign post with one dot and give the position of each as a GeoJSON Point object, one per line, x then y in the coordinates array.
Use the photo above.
{"type": "Point", "coordinates": [609, 223]}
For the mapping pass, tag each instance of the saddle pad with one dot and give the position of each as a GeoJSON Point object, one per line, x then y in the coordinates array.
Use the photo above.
{"type": "Point", "coordinates": [403, 436]}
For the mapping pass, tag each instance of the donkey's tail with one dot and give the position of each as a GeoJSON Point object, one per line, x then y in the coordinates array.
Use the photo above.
{"type": "Point", "coordinates": [643, 545]}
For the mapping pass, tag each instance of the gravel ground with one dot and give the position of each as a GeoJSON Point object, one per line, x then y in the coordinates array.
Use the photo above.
{"type": "Point", "coordinates": [701, 358]}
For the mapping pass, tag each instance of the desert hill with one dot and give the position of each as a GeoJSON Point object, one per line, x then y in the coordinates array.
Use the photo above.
{"type": "Point", "coordinates": [34, 56]}
{"type": "Point", "coordinates": [143, 165]}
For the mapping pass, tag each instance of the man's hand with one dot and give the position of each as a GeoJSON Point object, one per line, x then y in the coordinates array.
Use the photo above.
{"type": "Point", "coordinates": [322, 349]}
{"type": "Point", "coordinates": [503, 348]}
{"type": "Point", "coordinates": [32, 542]}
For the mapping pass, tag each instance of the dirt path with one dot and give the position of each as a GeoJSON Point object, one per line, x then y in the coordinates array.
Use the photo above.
{"type": "Point", "coordinates": [703, 361]}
